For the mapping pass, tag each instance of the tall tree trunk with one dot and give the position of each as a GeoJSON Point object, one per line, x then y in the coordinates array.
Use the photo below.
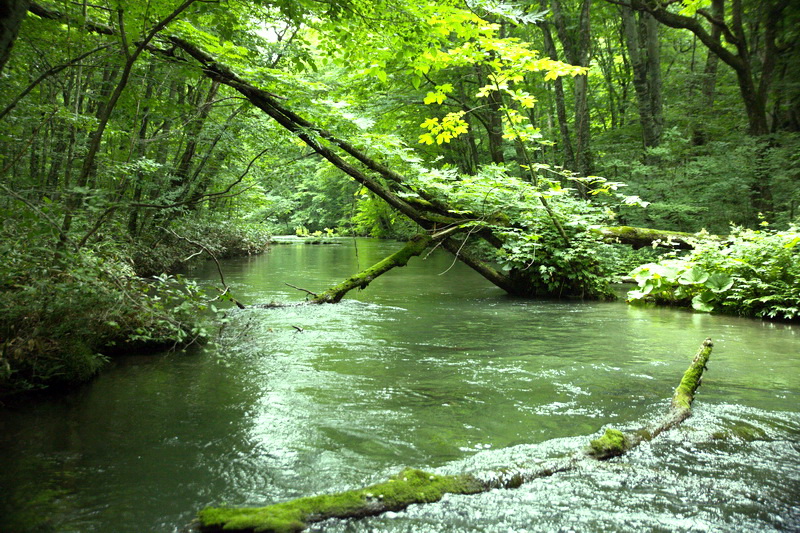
{"type": "Point", "coordinates": [140, 150]}
{"type": "Point", "coordinates": [492, 118]}
{"type": "Point", "coordinates": [642, 48]}
{"type": "Point", "coordinates": [653, 46]}
{"type": "Point", "coordinates": [192, 133]}
{"type": "Point", "coordinates": [709, 80]}
{"type": "Point", "coordinates": [12, 13]}
{"type": "Point", "coordinates": [577, 48]}
{"type": "Point", "coordinates": [200, 186]}
{"type": "Point", "coordinates": [583, 156]}
{"type": "Point", "coordinates": [558, 89]}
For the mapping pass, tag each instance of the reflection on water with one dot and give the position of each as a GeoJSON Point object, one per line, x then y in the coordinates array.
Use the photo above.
{"type": "Point", "coordinates": [432, 368]}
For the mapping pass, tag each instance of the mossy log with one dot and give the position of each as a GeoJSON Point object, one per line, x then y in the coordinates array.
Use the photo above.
{"type": "Point", "coordinates": [413, 486]}
{"type": "Point", "coordinates": [400, 491]}
{"type": "Point", "coordinates": [615, 442]}
{"type": "Point", "coordinates": [641, 237]}
{"type": "Point", "coordinates": [410, 486]}
{"type": "Point", "coordinates": [400, 258]}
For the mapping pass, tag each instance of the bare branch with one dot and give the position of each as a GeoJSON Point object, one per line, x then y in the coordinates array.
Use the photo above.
{"type": "Point", "coordinates": [216, 261]}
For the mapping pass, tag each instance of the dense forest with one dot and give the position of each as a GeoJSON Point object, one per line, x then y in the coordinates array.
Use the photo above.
{"type": "Point", "coordinates": [527, 137]}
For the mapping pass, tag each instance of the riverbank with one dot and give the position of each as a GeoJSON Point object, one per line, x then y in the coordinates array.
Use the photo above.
{"type": "Point", "coordinates": [66, 312]}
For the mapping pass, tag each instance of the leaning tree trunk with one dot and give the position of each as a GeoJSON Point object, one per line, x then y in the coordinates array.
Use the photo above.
{"type": "Point", "coordinates": [413, 486]}
{"type": "Point", "coordinates": [413, 248]}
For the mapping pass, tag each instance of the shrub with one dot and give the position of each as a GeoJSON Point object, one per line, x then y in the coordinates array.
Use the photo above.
{"type": "Point", "coordinates": [62, 309]}
{"type": "Point", "coordinates": [751, 273]}
{"type": "Point", "coordinates": [161, 251]}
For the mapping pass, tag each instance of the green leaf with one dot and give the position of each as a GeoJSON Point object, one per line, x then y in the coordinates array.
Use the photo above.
{"type": "Point", "coordinates": [704, 302]}
{"type": "Point", "coordinates": [636, 294]}
{"type": "Point", "coordinates": [693, 276]}
{"type": "Point", "coordinates": [719, 282]}
{"type": "Point", "coordinates": [643, 272]}
{"type": "Point", "coordinates": [681, 292]}
{"type": "Point", "coordinates": [651, 285]}
{"type": "Point", "coordinates": [669, 272]}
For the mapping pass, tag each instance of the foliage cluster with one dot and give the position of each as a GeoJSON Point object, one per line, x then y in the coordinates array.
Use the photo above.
{"type": "Point", "coordinates": [64, 309]}
{"type": "Point", "coordinates": [534, 252]}
{"type": "Point", "coordinates": [162, 251]}
{"type": "Point", "coordinates": [750, 273]}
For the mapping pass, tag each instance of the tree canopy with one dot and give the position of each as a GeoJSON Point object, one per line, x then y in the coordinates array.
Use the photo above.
{"type": "Point", "coordinates": [509, 132]}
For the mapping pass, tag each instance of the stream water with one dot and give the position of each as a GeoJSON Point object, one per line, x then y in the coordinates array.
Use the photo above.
{"type": "Point", "coordinates": [430, 367]}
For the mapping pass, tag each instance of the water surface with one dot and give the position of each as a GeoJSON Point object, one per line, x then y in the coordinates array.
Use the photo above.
{"type": "Point", "coordinates": [430, 367]}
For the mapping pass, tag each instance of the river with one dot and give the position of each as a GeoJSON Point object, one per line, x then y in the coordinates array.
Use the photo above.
{"type": "Point", "coordinates": [430, 367]}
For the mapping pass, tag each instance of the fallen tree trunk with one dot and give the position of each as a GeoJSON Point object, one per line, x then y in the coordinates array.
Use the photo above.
{"type": "Point", "coordinates": [413, 486]}
{"type": "Point", "coordinates": [400, 258]}
{"type": "Point", "coordinates": [615, 442]}
{"type": "Point", "coordinates": [414, 247]}
{"type": "Point", "coordinates": [641, 237]}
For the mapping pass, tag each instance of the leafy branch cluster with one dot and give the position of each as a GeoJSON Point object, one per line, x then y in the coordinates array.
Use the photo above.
{"type": "Point", "coordinates": [750, 273]}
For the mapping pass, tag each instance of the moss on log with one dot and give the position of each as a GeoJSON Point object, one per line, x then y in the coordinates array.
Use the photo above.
{"type": "Point", "coordinates": [684, 393]}
{"type": "Point", "coordinates": [611, 444]}
{"type": "Point", "coordinates": [408, 487]}
{"type": "Point", "coordinates": [615, 442]}
{"type": "Point", "coordinates": [641, 237]}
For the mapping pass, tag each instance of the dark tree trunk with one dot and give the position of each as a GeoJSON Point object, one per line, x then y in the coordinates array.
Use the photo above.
{"type": "Point", "coordinates": [183, 168]}
{"type": "Point", "coordinates": [12, 13]}
{"type": "Point", "coordinates": [577, 48]}
{"type": "Point", "coordinates": [641, 41]}
{"type": "Point", "coordinates": [558, 88]}
{"type": "Point", "coordinates": [140, 150]}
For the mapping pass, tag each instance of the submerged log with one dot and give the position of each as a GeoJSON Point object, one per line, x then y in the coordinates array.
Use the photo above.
{"type": "Point", "coordinates": [413, 486]}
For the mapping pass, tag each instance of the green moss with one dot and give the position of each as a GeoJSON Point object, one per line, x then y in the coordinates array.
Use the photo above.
{"type": "Point", "coordinates": [684, 394]}
{"type": "Point", "coordinates": [408, 487]}
{"type": "Point", "coordinates": [419, 203]}
{"type": "Point", "coordinates": [611, 444]}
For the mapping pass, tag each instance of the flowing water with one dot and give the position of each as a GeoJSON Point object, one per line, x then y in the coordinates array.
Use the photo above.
{"type": "Point", "coordinates": [430, 367]}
